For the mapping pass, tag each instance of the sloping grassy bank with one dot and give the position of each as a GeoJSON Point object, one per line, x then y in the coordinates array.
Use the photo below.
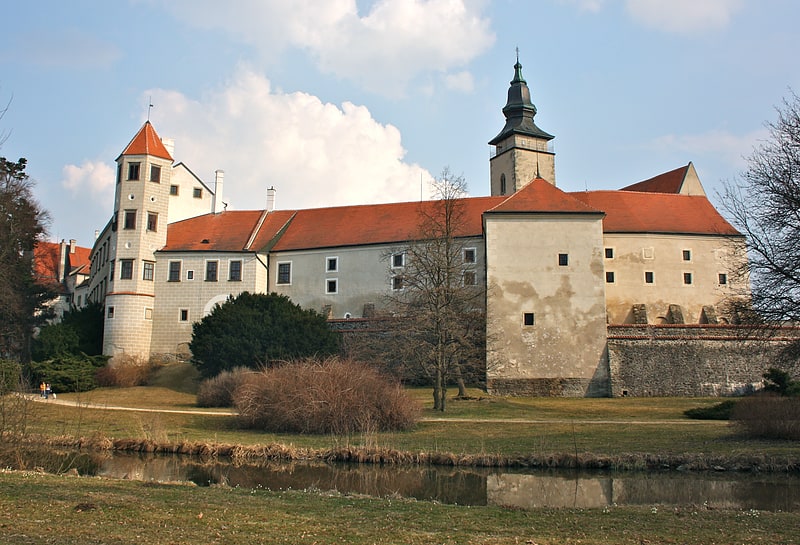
{"type": "Point", "coordinates": [38, 509]}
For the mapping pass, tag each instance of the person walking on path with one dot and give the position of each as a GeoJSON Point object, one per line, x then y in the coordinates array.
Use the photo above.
{"type": "Point", "coordinates": [42, 389]}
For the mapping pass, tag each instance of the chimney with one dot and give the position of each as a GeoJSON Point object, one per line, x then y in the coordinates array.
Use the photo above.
{"type": "Point", "coordinates": [96, 234]}
{"type": "Point", "coordinates": [169, 143]}
{"type": "Point", "coordinates": [217, 204]}
{"type": "Point", "coordinates": [72, 244]}
{"type": "Point", "coordinates": [270, 199]}
{"type": "Point", "coordinates": [62, 260]}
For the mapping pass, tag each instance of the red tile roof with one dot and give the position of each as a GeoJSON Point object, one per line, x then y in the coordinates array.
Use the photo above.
{"type": "Point", "coordinates": [542, 196]}
{"type": "Point", "coordinates": [79, 259]}
{"type": "Point", "coordinates": [228, 231]}
{"type": "Point", "coordinates": [637, 212]}
{"type": "Point", "coordinates": [668, 182]}
{"type": "Point", "coordinates": [147, 142]}
{"type": "Point", "coordinates": [46, 263]}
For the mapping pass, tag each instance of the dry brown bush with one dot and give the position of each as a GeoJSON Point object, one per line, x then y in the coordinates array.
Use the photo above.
{"type": "Point", "coordinates": [125, 372]}
{"type": "Point", "coordinates": [218, 391]}
{"type": "Point", "coordinates": [768, 416]}
{"type": "Point", "coordinates": [333, 396]}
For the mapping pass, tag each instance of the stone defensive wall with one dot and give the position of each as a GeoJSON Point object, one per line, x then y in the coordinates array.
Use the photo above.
{"type": "Point", "coordinates": [692, 360]}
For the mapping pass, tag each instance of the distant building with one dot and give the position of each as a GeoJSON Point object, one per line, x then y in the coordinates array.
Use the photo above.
{"type": "Point", "coordinates": [63, 267]}
{"type": "Point", "coordinates": [559, 267]}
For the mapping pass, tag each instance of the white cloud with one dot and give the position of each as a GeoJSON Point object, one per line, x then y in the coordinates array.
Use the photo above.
{"type": "Point", "coordinates": [729, 147]}
{"type": "Point", "coordinates": [462, 81]}
{"type": "Point", "coordinates": [93, 179]}
{"type": "Point", "coordinates": [592, 6]}
{"type": "Point", "coordinates": [384, 50]}
{"type": "Point", "coordinates": [684, 16]}
{"type": "Point", "coordinates": [314, 153]}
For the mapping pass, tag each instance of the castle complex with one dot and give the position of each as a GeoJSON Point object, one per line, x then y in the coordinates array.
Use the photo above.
{"type": "Point", "coordinates": [561, 268]}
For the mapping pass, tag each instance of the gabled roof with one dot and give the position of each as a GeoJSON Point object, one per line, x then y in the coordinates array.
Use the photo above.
{"type": "Point", "coordinates": [228, 231]}
{"type": "Point", "coordinates": [79, 259]}
{"type": "Point", "coordinates": [638, 212]}
{"type": "Point", "coordinates": [46, 257]}
{"type": "Point", "coordinates": [147, 142]}
{"type": "Point", "coordinates": [543, 197]}
{"type": "Point", "coordinates": [683, 180]}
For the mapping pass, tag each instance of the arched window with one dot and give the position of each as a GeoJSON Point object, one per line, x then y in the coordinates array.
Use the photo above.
{"type": "Point", "coordinates": [502, 184]}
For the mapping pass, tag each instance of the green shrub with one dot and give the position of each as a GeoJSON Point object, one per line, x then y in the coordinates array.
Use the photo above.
{"type": "Point", "coordinates": [324, 397]}
{"type": "Point", "coordinates": [10, 376]}
{"type": "Point", "coordinates": [718, 411]}
{"type": "Point", "coordinates": [67, 373]}
{"type": "Point", "coordinates": [218, 391]}
{"type": "Point", "coordinates": [780, 382]}
{"type": "Point", "coordinates": [768, 417]}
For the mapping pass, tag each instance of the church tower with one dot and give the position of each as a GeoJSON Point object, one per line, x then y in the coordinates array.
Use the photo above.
{"type": "Point", "coordinates": [522, 151]}
{"type": "Point", "coordinates": [139, 228]}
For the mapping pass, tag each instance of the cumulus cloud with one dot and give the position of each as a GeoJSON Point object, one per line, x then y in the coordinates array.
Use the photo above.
{"type": "Point", "coordinates": [314, 153]}
{"type": "Point", "coordinates": [592, 6]}
{"type": "Point", "coordinates": [383, 50]}
{"type": "Point", "coordinates": [93, 179]}
{"type": "Point", "coordinates": [722, 144]}
{"type": "Point", "coordinates": [684, 16]}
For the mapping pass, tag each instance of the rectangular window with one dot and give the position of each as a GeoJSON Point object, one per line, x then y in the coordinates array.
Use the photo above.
{"type": "Point", "coordinates": [133, 171]}
{"type": "Point", "coordinates": [126, 269]}
{"type": "Point", "coordinates": [469, 255]}
{"type": "Point", "coordinates": [155, 174]}
{"type": "Point", "coordinates": [332, 285]}
{"type": "Point", "coordinates": [609, 277]}
{"type": "Point", "coordinates": [687, 255]}
{"type": "Point", "coordinates": [174, 271]}
{"type": "Point", "coordinates": [130, 219]}
{"type": "Point", "coordinates": [648, 277]}
{"type": "Point", "coordinates": [398, 260]}
{"type": "Point", "coordinates": [110, 312]}
{"type": "Point", "coordinates": [470, 279]}
{"type": "Point", "coordinates": [152, 221]}
{"type": "Point", "coordinates": [723, 279]}
{"type": "Point", "coordinates": [173, 190]}
{"type": "Point", "coordinates": [527, 318]}
{"type": "Point", "coordinates": [184, 315]}
{"type": "Point", "coordinates": [190, 275]}
{"type": "Point", "coordinates": [148, 268]}
{"type": "Point", "coordinates": [397, 283]}
{"type": "Point", "coordinates": [111, 270]}
{"type": "Point", "coordinates": [235, 270]}
{"type": "Point", "coordinates": [563, 260]}
{"type": "Point", "coordinates": [687, 278]}
{"type": "Point", "coordinates": [332, 264]}
{"type": "Point", "coordinates": [211, 271]}
{"type": "Point", "coordinates": [284, 273]}
{"type": "Point", "coordinates": [609, 253]}
{"type": "Point", "coordinates": [197, 193]}
{"type": "Point", "coordinates": [148, 314]}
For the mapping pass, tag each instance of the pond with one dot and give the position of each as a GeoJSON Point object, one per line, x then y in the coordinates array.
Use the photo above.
{"type": "Point", "coordinates": [455, 485]}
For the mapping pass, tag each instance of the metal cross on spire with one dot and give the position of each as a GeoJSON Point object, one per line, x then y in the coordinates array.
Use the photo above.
{"type": "Point", "coordinates": [149, 107]}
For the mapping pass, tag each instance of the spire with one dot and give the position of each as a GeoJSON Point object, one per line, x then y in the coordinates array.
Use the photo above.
{"type": "Point", "coordinates": [519, 110]}
{"type": "Point", "coordinates": [147, 142]}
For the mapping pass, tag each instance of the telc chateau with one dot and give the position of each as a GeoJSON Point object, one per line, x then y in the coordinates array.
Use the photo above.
{"type": "Point", "coordinates": [578, 283]}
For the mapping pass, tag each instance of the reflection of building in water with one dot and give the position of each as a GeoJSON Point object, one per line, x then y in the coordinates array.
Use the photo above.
{"type": "Point", "coordinates": [532, 491]}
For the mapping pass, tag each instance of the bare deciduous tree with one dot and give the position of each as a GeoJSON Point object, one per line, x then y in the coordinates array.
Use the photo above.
{"type": "Point", "coordinates": [438, 294]}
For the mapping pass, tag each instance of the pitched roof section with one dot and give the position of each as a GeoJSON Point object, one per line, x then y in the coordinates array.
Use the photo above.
{"type": "Point", "coordinates": [147, 142]}
{"type": "Point", "coordinates": [637, 212]}
{"type": "Point", "coordinates": [227, 231]}
{"type": "Point", "coordinates": [373, 224]}
{"type": "Point", "coordinates": [543, 197]}
{"type": "Point", "coordinates": [683, 180]}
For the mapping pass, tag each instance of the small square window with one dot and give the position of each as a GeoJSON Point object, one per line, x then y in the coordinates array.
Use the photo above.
{"type": "Point", "coordinates": [687, 278]}
{"type": "Point", "coordinates": [527, 318]}
{"type": "Point", "coordinates": [331, 285]}
{"type": "Point", "coordinates": [332, 264]}
{"type": "Point", "coordinates": [133, 171]}
{"type": "Point", "coordinates": [235, 270]}
{"type": "Point", "coordinates": [609, 253]}
{"type": "Point", "coordinates": [723, 279]}
{"type": "Point", "coordinates": [284, 273]}
{"type": "Point", "coordinates": [174, 271]}
{"type": "Point", "coordinates": [687, 255]}
{"type": "Point", "coordinates": [648, 277]}
{"type": "Point", "coordinates": [211, 271]}
{"type": "Point", "coordinates": [197, 193]}
{"type": "Point", "coordinates": [126, 269]}
{"type": "Point", "coordinates": [184, 315]}
{"type": "Point", "coordinates": [398, 260]}
{"type": "Point", "coordinates": [173, 190]}
{"type": "Point", "coordinates": [469, 255]}
{"type": "Point", "coordinates": [190, 275]}
{"type": "Point", "coordinates": [397, 283]}
{"type": "Point", "coordinates": [609, 277]}
{"type": "Point", "coordinates": [563, 260]}
{"type": "Point", "coordinates": [155, 174]}
{"type": "Point", "coordinates": [110, 312]}
{"type": "Point", "coordinates": [470, 278]}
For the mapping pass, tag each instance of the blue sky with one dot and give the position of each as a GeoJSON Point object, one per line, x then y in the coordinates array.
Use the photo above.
{"type": "Point", "coordinates": [354, 101]}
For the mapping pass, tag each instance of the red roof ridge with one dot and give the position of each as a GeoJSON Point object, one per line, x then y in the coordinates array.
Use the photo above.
{"type": "Point", "coordinates": [542, 196]}
{"type": "Point", "coordinates": [147, 142]}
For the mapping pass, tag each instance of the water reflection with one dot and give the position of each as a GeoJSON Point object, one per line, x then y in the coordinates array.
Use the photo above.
{"type": "Point", "coordinates": [464, 486]}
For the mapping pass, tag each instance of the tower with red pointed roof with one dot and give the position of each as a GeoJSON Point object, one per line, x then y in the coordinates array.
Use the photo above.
{"type": "Point", "coordinates": [138, 229]}
{"type": "Point", "coordinates": [522, 151]}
